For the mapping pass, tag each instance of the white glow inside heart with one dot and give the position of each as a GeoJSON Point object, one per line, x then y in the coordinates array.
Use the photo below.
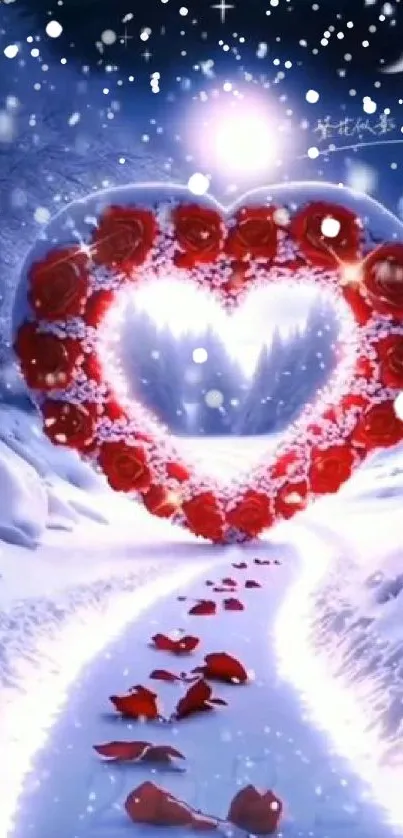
{"type": "Point", "coordinates": [185, 308]}
{"type": "Point", "coordinates": [176, 304]}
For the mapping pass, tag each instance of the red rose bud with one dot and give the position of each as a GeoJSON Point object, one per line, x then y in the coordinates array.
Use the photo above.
{"type": "Point", "coordinates": [309, 228]}
{"type": "Point", "coordinates": [125, 466]}
{"type": "Point", "coordinates": [59, 284]}
{"type": "Point", "coordinates": [382, 283]}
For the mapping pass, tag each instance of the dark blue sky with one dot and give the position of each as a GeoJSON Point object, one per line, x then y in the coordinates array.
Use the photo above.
{"type": "Point", "coordinates": [305, 45]}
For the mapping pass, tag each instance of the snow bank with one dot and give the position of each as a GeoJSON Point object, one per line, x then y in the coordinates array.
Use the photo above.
{"type": "Point", "coordinates": [356, 611]}
{"type": "Point", "coordinates": [24, 502]}
{"type": "Point", "coordinates": [42, 487]}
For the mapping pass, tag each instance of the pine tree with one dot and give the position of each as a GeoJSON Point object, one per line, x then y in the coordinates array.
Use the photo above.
{"type": "Point", "coordinates": [289, 373]}
{"type": "Point", "coordinates": [258, 413]}
{"type": "Point", "coordinates": [151, 362]}
{"type": "Point", "coordinates": [219, 373]}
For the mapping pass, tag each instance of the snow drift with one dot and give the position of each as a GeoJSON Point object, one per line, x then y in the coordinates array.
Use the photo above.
{"type": "Point", "coordinates": [356, 623]}
{"type": "Point", "coordinates": [41, 487]}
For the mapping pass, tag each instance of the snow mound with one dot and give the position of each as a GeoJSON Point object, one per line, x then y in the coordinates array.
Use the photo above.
{"type": "Point", "coordinates": [24, 503]}
{"type": "Point", "coordinates": [356, 623]}
{"type": "Point", "coordinates": [42, 487]}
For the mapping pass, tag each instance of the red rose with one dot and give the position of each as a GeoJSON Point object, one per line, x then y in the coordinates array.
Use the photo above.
{"type": "Point", "coordinates": [285, 464]}
{"type": "Point", "coordinates": [140, 437]}
{"type": "Point", "coordinates": [254, 234]}
{"type": "Point", "coordinates": [91, 367]}
{"type": "Point", "coordinates": [291, 498]}
{"type": "Point", "coordinates": [97, 305]}
{"type": "Point", "coordinates": [336, 413]}
{"type": "Point", "coordinates": [204, 517]}
{"type": "Point", "coordinates": [255, 812]}
{"type": "Point", "coordinates": [58, 285]}
{"type": "Point", "coordinates": [330, 468]}
{"type": "Point", "coordinates": [237, 281]}
{"type": "Point", "coordinates": [390, 357]}
{"type": "Point", "coordinates": [378, 427]}
{"type": "Point", "coordinates": [352, 402]}
{"type": "Point", "coordinates": [252, 513]}
{"type": "Point", "coordinates": [125, 466]}
{"type": "Point", "coordinates": [124, 238]}
{"type": "Point", "coordinates": [199, 234]}
{"type": "Point", "coordinates": [70, 424]}
{"type": "Point", "coordinates": [178, 472]}
{"type": "Point", "coordinates": [309, 229]}
{"type": "Point", "coordinates": [364, 367]}
{"type": "Point", "coordinates": [161, 502]}
{"type": "Point", "coordinates": [47, 362]}
{"type": "Point", "coordinates": [359, 307]}
{"type": "Point", "coordinates": [383, 280]}
{"type": "Point", "coordinates": [113, 410]}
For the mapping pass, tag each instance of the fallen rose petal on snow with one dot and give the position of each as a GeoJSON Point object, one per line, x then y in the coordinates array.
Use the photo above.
{"type": "Point", "coordinates": [197, 699]}
{"type": "Point", "coordinates": [233, 604]}
{"type": "Point", "coordinates": [251, 583]}
{"type": "Point", "coordinates": [140, 703]}
{"type": "Point", "coordinates": [161, 754]}
{"type": "Point", "coordinates": [121, 751]}
{"type": "Point", "coordinates": [150, 804]}
{"type": "Point", "coordinates": [179, 646]}
{"type": "Point", "coordinates": [220, 666]}
{"type": "Point", "coordinates": [164, 675]}
{"type": "Point", "coordinates": [204, 608]}
{"type": "Point", "coordinates": [255, 812]}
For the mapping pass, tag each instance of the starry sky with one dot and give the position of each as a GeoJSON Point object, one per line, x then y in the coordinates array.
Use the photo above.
{"type": "Point", "coordinates": [313, 69]}
{"type": "Point", "coordinates": [253, 93]}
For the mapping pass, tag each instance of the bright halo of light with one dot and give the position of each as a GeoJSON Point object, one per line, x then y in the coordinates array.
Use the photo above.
{"type": "Point", "coordinates": [29, 710]}
{"type": "Point", "coordinates": [333, 708]}
{"type": "Point", "coordinates": [243, 142]}
{"type": "Point", "coordinates": [235, 135]}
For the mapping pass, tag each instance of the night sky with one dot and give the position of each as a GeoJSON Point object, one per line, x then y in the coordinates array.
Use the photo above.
{"type": "Point", "coordinates": [264, 54]}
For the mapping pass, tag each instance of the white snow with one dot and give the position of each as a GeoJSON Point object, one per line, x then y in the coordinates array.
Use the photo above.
{"type": "Point", "coordinates": [262, 737]}
{"type": "Point", "coordinates": [338, 631]}
{"type": "Point", "coordinates": [354, 611]}
{"type": "Point", "coordinates": [47, 488]}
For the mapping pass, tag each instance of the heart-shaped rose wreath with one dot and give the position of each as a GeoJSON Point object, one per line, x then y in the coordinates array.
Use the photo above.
{"type": "Point", "coordinates": [114, 241]}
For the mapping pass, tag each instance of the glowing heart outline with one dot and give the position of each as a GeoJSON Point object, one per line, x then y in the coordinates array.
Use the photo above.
{"type": "Point", "coordinates": [232, 513]}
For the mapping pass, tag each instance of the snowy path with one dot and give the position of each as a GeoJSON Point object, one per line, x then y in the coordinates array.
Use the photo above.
{"type": "Point", "coordinates": [263, 736]}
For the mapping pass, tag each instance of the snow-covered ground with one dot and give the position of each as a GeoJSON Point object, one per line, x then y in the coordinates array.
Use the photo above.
{"type": "Point", "coordinates": [262, 737]}
{"type": "Point", "coordinates": [78, 565]}
{"type": "Point", "coordinates": [356, 612]}
{"type": "Point", "coordinates": [227, 455]}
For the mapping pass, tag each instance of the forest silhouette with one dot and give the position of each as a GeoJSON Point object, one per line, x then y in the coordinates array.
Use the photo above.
{"type": "Point", "coordinates": [162, 375]}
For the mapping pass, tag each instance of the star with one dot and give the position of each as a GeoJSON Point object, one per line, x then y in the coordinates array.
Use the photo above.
{"type": "Point", "coordinates": [125, 38]}
{"type": "Point", "coordinates": [222, 7]}
{"type": "Point", "coordinates": [146, 55]}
